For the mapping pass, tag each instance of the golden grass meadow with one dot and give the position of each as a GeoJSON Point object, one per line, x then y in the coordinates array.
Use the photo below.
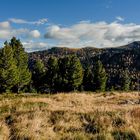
{"type": "Point", "coordinates": [74, 116]}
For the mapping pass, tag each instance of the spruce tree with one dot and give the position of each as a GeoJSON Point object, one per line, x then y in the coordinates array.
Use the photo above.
{"type": "Point", "coordinates": [38, 72]}
{"type": "Point", "coordinates": [8, 69]}
{"type": "Point", "coordinates": [21, 58]}
{"type": "Point", "coordinates": [126, 81]}
{"type": "Point", "coordinates": [52, 74]}
{"type": "Point", "coordinates": [88, 79]}
{"type": "Point", "coordinates": [71, 73]}
{"type": "Point", "coordinates": [100, 76]}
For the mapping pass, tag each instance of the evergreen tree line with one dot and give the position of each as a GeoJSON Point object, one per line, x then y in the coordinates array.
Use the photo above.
{"type": "Point", "coordinates": [62, 74]}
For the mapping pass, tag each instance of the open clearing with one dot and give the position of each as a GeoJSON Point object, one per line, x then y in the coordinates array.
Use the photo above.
{"type": "Point", "coordinates": [72, 116]}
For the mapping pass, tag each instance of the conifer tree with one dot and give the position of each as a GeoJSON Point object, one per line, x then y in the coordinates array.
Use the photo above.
{"type": "Point", "coordinates": [71, 73]}
{"type": "Point", "coordinates": [88, 79]}
{"type": "Point", "coordinates": [21, 58]}
{"type": "Point", "coordinates": [38, 72]}
{"type": "Point", "coordinates": [8, 69]}
{"type": "Point", "coordinates": [52, 74]}
{"type": "Point", "coordinates": [100, 76]}
{"type": "Point", "coordinates": [126, 81]}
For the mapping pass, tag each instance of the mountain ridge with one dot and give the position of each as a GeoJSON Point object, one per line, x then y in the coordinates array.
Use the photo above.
{"type": "Point", "coordinates": [115, 60]}
{"type": "Point", "coordinates": [132, 45]}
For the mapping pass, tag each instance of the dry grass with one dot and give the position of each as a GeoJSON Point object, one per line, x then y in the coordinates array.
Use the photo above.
{"type": "Point", "coordinates": [75, 116]}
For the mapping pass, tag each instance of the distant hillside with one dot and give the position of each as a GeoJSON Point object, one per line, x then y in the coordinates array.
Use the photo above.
{"type": "Point", "coordinates": [115, 60]}
{"type": "Point", "coordinates": [133, 45]}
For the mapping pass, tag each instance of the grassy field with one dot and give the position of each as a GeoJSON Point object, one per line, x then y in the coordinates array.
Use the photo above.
{"type": "Point", "coordinates": [75, 116]}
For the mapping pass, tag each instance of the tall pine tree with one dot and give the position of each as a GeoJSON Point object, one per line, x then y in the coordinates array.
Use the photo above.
{"type": "Point", "coordinates": [38, 72]}
{"type": "Point", "coordinates": [88, 79]}
{"type": "Point", "coordinates": [52, 74]}
{"type": "Point", "coordinates": [21, 57]}
{"type": "Point", "coordinates": [8, 69]}
{"type": "Point", "coordinates": [125, 80]}
{"type": "Point", "coordinates": [100, 76]}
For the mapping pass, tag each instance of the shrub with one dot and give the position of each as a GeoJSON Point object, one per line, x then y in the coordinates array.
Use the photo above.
{"type": "Point", "coordinates": [124, 135]}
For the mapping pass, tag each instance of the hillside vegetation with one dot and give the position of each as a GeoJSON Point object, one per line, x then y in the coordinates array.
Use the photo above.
{"type": "Point", "coordinates": [66, 70]}
{"type": "Point", "coordinates": [75, 116]}
{"type": "Point", "coordinates": [116, 62]}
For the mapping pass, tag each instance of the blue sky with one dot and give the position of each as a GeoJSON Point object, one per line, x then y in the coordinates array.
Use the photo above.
{"type": "Point", "coordinates": [72, 23]}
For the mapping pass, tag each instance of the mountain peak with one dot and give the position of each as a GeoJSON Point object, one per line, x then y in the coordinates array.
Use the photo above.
{"type": "Point", "coordinates": [132, 45]}
{"type": "Point", "coordinates": [135, 44]}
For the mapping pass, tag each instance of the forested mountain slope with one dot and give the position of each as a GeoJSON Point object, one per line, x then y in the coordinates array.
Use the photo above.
{"type": "Point", "coordinates": [115, 60]}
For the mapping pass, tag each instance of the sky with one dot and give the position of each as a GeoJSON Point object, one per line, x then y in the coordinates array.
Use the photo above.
{"type": "Point", "coordinates": [41, 24]}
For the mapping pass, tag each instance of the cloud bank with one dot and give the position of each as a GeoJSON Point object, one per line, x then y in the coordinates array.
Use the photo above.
{"type": "Point", "coordinates": [99, 34]}
{"type": "Point", "coordinates": [83, 34]}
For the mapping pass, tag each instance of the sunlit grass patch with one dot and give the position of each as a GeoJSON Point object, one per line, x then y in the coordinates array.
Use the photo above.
{"type": "Point", "coordinates": [69, 117]}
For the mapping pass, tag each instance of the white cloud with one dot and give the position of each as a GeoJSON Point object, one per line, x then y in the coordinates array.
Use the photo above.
{"type": "Point", "coordinates": [7, 32]}
{"type": "Point", "coordinates": [41, 21]}
{"type": "Point", "coordinates": [22, 21]}
{"type": "Point", "coordinates": [4, 25]}
{"type": "Point", "coordinates": [35, 34]}
{"type": "Point", "coordinates": [31, 46]}
{"type": "Point", "coordinates": [22, 33]}
{"type": "Point", "coordinates": [60, 33]}
{"type": "Point", "coordinates": [100, 34]}
{"type": "Point", "coordinates": [119, 18]}
{"type": "Point", "coordinates": [18, 21]}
